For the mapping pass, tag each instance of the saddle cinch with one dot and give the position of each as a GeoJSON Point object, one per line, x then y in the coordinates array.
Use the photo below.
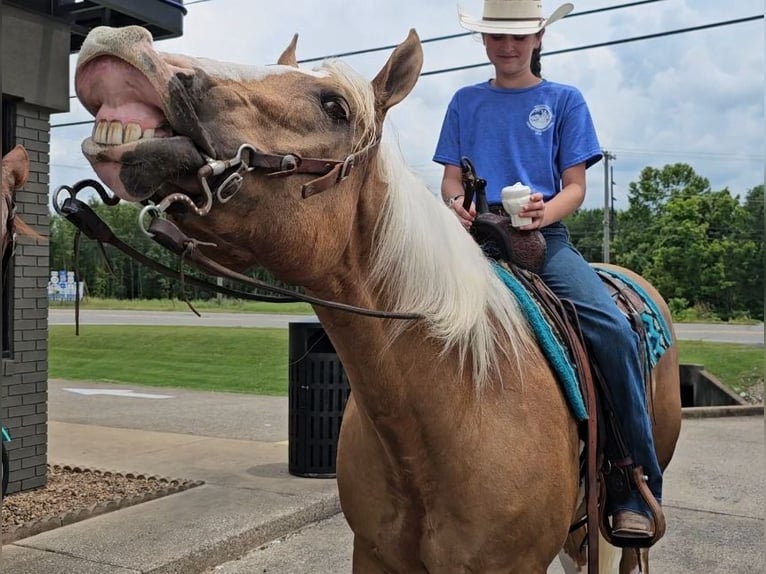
{"type": "Point", "coordinates": [606, 459]}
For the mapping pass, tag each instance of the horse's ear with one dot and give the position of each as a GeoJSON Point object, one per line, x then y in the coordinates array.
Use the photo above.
{"type": "Point", "coordinates": [15, 170]}
{"type": "Point", "coordinates": [16, 164]}
{"type": "Point", "coordinates": [399, 75]}
{"type": "Point", "coordinates": [288, 56]}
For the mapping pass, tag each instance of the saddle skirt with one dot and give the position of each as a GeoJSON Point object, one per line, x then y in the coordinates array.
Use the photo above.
{"type": "Point", "coordinates": [641, 311]}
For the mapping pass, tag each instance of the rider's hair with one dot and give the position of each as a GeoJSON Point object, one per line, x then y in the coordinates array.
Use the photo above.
{"type": "Point", "coordinates": [535, 64]}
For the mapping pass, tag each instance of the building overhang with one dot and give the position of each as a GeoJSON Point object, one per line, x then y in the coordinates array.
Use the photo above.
{"type": "Point", "coordinates": [163, 18]}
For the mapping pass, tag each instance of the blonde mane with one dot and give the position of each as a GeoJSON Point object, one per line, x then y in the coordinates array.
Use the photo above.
{"type": "Point", "coordinates": [428, 262]}
{"type": "Point", "coordinates": [435, 268]}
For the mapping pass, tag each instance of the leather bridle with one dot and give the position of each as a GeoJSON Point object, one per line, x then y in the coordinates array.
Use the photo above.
{"type": "Point", "coordinates": [249, 158]}
{"type": "Point", "coordinates": [167, 234]}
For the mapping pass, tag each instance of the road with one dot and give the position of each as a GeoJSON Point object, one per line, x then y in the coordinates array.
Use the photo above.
{"type": "Point", "coordinates": [719, 333]}
{"type": "Point", "coordinates": [174, 318]}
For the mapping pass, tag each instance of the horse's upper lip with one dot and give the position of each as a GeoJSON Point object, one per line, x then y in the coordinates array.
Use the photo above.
{"type": "Point", "coordinates": [127, 105]}
{"type": "Point", "coordinates": [138, 130]}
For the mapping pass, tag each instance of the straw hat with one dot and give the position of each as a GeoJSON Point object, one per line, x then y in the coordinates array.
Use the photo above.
{"type": "Point", "coordinates": [516, 17]}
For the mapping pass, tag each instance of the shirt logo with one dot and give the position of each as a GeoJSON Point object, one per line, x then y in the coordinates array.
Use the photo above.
{"type": "Point", "coordinates": [540, 118]}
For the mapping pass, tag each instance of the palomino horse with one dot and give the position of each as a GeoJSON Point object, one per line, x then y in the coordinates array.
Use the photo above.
{"type": "Point", "coordinates": [457, 452]}
{"type": "Point", "coordinates": [15, 172]}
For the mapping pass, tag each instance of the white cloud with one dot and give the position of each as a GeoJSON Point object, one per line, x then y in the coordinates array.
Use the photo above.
{"type": "Point", "coordinates": [695, 98]}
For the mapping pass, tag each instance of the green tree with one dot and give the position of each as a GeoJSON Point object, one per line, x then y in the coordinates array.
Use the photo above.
{"type": "Point", "coordinates": [106, 272]}
{"type": "Point", "coordinates": [109, 273]}
{"type": "Point", "coordinates": [749, 269]}
{"type": "Point", "coordinates": [696, 255]}
{"type": "Point", "coordinates": [697, 246]}
{"type": "Point", "coordinates": [637, 229]}
{"type": "Point", "coordinates": [586, 230]}
{"type": "Point", "coordinates": [61, 243]}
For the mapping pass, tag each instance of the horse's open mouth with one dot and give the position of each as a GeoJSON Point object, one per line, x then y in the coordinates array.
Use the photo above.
{"type": "Point", "coordinates": [134, 145]}
{"type": "Point", "coordinates": [143, 169]}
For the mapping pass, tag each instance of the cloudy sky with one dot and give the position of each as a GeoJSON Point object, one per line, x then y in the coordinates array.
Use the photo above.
{"type": "Point", "coordinates": [695, 97]}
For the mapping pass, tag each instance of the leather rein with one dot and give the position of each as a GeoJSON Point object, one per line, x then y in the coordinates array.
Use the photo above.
{"type": "Point", "coordinates": [169, 236]}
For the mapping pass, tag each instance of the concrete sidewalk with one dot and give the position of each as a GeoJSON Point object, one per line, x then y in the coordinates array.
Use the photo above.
{"type": "Point", "coordinates": [714, 508]}
{"type": "Point", "coordinates": [237, 445]}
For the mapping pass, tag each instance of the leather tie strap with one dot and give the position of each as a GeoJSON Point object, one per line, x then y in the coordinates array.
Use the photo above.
{"type": "Point", "coordinates": [169, 236]}
{"type": "Point", "coordinates": [340, 171]}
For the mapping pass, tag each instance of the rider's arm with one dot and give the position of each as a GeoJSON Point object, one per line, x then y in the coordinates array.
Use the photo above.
{"type": "Point", "coordinates": [569, 198]}
{"type": "Point", "coordinates": [453, 193]}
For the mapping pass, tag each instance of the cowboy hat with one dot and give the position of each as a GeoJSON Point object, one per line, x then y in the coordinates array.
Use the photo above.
{"type": "Point", "coordinates": [516, 17]}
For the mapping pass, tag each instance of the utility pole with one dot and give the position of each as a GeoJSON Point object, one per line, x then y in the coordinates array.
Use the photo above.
{"type": "Point", "coordinates": [607, 203]}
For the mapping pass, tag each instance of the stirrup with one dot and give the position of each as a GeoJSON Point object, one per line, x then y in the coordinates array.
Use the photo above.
{"type": "Point", "coordinates": [657, 516]}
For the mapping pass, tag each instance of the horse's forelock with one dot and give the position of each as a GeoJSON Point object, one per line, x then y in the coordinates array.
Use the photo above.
{"type": "Point", "coordinates": [362, 100]}
{"type": "Point", "coordinates": [424, 256]}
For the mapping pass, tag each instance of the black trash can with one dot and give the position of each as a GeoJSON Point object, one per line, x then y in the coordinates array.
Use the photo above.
{"type": "Point", "coordinates": [317, 393]}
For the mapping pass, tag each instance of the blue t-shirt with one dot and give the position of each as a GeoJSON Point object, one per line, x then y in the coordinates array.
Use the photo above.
{"type": "Point", "coordinates": [528, 135]}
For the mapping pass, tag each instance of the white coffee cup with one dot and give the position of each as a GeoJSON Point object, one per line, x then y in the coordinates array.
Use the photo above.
{"type": "Point", "coordinates": [515, 197]}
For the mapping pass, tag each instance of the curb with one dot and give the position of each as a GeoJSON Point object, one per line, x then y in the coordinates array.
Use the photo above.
{"type": "Point", "coordinates": [722, 411]}
{"type": "Point", "coordinates": [31, 528]}
{"type": "Point", "coordinates": [202, 560]}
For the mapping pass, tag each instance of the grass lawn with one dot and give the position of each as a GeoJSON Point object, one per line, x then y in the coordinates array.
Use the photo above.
{"type": "Point", "coordinates": [737, 366]}
{"type": "Point", "coordinates": [245, 360]}
{"type": "Point", "coordinates": [229, 359]}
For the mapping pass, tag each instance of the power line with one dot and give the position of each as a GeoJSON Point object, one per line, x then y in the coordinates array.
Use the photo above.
{"type": "Point", "coordinates": [701, 154]}
{"type": "Point", "coordinates": [553, 53]}
{"type": "Point", "coordinates": [610, 43]}
{"type": "Point", "coordinates": [462, 34]}
{"type": "Point", "coordinates": [445, 37]}
{"type": "Point", "coordinates": [85, 165]}
{"type": "Point", "coordinates": [71, 124]}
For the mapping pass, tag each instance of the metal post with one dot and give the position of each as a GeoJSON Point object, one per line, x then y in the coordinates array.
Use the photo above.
{"type": "Point", "coordinates": [607, 204]}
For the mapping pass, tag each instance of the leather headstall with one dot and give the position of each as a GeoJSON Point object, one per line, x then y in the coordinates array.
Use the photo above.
{"type": "Point", "coordinates": [249, 158]}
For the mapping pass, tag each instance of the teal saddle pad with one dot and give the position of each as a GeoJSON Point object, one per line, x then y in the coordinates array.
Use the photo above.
{"type": "Point", "coordinates": [658, 338]}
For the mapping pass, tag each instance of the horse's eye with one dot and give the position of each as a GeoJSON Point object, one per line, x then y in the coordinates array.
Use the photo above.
{"type": "Point", "coordinates": [335, 107]}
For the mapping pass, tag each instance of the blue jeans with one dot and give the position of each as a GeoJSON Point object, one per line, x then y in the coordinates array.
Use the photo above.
{"type": "Point", "coordinates": [614, 346]}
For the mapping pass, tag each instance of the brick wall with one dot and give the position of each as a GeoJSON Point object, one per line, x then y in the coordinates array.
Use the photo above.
{"type": "Point", "coordinates": [24, 388]}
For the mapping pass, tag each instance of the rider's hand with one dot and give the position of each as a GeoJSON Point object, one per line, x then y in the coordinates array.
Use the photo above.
{"type": "Point", "coordinates": [466, 217]}
{"type": "Point", "coordinates": [534, 209]}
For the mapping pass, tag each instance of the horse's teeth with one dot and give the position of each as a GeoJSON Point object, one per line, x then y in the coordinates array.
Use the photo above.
{"type": "Point", "coordinates": [132, 133]}
{"type": "Point", "coordinates": [100, 132]}
{"type": "Point", "coordinates": [115, 133]}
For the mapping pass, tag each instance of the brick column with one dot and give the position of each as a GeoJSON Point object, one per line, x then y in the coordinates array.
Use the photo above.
{"type": "Point", "coordinates": [25, 384]}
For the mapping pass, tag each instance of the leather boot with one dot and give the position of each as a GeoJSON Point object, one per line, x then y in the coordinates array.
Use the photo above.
{"type": "Point", "coordinates": [629, 524]}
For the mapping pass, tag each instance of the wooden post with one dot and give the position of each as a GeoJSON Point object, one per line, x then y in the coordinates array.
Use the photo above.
{"type": "Point", "coordinates": [607, 205]}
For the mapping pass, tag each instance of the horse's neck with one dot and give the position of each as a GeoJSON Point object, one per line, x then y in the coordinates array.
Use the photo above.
{"type": "Point", "coordinates": [409, 375]}
{"type": "Point", "coordinates": [401, 386]}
